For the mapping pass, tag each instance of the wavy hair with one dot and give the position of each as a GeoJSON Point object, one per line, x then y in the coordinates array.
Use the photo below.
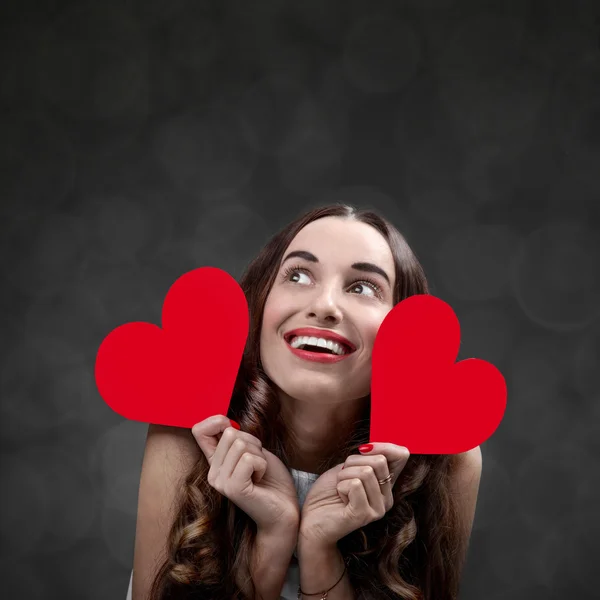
{"type": "Point", "coordinates": [409, 554]}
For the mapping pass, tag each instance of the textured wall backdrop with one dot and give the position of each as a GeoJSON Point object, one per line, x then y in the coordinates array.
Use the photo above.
{"type": "Point", "coordinates": [143, 139]}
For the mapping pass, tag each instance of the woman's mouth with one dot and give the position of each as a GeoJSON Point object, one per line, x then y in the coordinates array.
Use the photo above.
{"type": "Point", "coordinates": [318, 349]}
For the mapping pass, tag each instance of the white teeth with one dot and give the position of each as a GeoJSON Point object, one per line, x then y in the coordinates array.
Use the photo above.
{"type": "Point", "coordinates": [303, 340]}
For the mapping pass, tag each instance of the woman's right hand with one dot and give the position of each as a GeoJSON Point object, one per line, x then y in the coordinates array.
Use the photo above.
{"type": "Point", "coordinates": [251, 477]}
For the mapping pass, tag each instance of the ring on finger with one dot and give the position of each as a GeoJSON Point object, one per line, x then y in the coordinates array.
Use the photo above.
{"type": "Point", "coordinates": [384, 481]}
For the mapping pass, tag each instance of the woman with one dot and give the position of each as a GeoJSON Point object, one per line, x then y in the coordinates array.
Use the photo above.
{"type": "Point", "coordinates": [281, 498]}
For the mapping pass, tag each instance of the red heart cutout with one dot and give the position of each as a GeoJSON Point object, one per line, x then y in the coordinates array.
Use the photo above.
{"type": "Point", "coordinates": [420, 397]}
{"type": "Point", "coordinates": [186, 371]}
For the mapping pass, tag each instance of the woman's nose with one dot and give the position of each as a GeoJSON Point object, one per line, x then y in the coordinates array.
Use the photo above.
{"type": "Point", "coordinates": [325, 306]}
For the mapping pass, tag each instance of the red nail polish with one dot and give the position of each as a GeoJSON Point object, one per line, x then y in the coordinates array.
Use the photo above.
{"type": "Point", "coordinates": [365, 448]}
{"type": "Point", "coordinates": [234, 424]}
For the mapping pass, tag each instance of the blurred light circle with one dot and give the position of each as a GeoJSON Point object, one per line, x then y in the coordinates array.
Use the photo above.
{"type": "Point", "coordinates": [381, 54]}
{"type": "Point", "coordinates": [582, 561]}
{"type": "Point", "coordinates": [516, 559]}
{"type": "Point", "coordinates": [118, 450]}
{"type": "Point", "coordinates": [194, 41]}
{"type": "Point", "coordinates": [320, 18]}
{"type": "Point", "coordinates": [275, 49]}
{"type": "Point", "coordinates": [269, 107]}
{"type": "Point", "coordinates": [474, 261]}
{"type": "Point", "coordinates": [45, 254]}
{"type": "Point", "coordinates": [93, 63]}
{"type": "Point", "coordinates": [337, 95]}
{"type": "Point", "coordinates": [557, 276]}
{"type": "Point", "coordinates": [23, 504]}
{"type": "Point", "coordinates": [233, 228]}
{"type": "Point", "coordinates": [206, 153]}
{"type": "Point", "coordinates": [439, 203]}
{"type": "Point", "coordinates": [572, 195]}
{"type": "Point", "coordinates": [496, 498]}
{"type": "Point", "coordinates": [117, 228]}
{"type": "Point", "coordinates": [575, 114]}
{"type": "Point", "coordinates": [423, 121]}
{"type": "Point", "coordinates": [122, 492]}
{"type": "Point", "coordinates": [190, 252]}
{"type": "Point", "coordinates": [310, 159]}
{"type": "Point", "coordinates": [75, 313]}
{"type": "Point", "coordinates": [41, 385]}
{"type": "Point", "coordinates": [587, 437]}
{"type": "Point", "coordinates": [479, 44]}
{"type": "Point", "coordinates": [18, 48]}
{"type": "Point", "coordinates": [540, 408]}
{"type": "Point", "coordinates": [118, 531]}
{"type": "Point", "coordinates": [498, 108]}
{"type": "Point", "coordinates": [72, 498]}
{"type": "Point", "coordinates": [586, 361]}
{"type": "Point", "coordinates": [91, 563]}
{"type": "Point", "coordinates": [37, 162]}
{"type": "Point", "coordinates": [546, 484]}
{"type": "Point", "coordinates": [488, 174]}
{"type": "Point", "coordinates": [129, 293]}
{"type": "Point", "coordinates": [487, 333]}
{"type": "Point", "coordinates": [423, 133]}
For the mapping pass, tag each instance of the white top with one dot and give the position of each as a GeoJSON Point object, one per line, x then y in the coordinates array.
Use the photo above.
{"type": "Point", "coordinates": [303, 481]}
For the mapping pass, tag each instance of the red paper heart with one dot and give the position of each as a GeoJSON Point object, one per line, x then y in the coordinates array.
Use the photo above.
{"type": "Point", "coordinates": [420, 397]}
{"type": "Point", "coordinates": [186, 371]}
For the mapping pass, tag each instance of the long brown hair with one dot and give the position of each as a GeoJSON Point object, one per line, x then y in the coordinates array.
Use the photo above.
{"type": "Point", "coordinates": [410, 554]}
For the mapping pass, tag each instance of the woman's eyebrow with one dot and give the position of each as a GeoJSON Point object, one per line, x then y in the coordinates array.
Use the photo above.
{"type": "Point", "coordinates": [359, 266]}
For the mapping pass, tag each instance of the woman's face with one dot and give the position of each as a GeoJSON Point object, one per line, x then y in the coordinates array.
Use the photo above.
{"type": "Point", "coordinates": [326, 292]}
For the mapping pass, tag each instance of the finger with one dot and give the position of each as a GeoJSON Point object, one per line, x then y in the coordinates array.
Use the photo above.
{"type": "Point", "coordinates": [205, 432]}
{"type": "Point", "coordinates": [357, 502]}
{"type": "Point", "coordinates": [380, 466]}
{"type": "Point", "coordinates": [367, 475]}
{"type": "Point", "coordinates": [228, 437]}
{"type": "Point", "coordinates": [397, 457]}
{"type": "Point", "coordinates": [248, 465]}
{"type": "Point", "coordinates": [237, 449]}
{"type": "Point", "coordinates": [208, 435]}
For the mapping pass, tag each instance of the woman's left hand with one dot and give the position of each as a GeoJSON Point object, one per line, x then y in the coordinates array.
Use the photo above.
{"type": "Point", "coordinates": [349, 496]}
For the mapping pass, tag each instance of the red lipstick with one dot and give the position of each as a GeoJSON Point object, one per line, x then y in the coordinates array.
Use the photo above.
{"type": "Point", "coordinates": [319, 356]}
{"type": "Point", "coordinates": [322, 333]}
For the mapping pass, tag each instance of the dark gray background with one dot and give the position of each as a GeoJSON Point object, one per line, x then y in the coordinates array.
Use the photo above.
{"type": "Point", "coordinates": [142, 139]}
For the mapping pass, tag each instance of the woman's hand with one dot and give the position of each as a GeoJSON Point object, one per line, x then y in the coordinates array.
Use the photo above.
{"type": "Point", "coordinates": [251, 477]}
{"type": "Point", "coordinates": [349, 496]}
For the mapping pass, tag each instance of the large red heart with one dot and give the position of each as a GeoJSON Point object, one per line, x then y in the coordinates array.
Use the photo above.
{"type": "Point", "coordinates": [186, 371]}
{"type": "Point", "coordinates": [420, 397]}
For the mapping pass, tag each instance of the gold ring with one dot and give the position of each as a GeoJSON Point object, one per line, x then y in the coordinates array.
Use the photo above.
{"type": "Point", "coordinates": [388, 478]}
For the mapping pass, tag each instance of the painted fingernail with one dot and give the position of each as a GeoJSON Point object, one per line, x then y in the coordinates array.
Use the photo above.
{"type": "Point", "coordinates": [234, 424]}
{"type": "Point", "coordinates": [365, 448]}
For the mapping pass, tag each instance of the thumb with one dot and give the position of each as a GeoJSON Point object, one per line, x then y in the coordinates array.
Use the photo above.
{"type": "Point", "coordinates": [343, 491]}
{"type": "Point", "coordinates": [208, 432]}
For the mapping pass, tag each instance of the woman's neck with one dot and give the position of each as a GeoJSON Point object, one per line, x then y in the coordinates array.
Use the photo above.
{"type": "Point", "coordinates": [318, 431]}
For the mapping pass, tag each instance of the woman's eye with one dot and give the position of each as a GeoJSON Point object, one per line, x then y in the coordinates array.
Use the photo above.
{"type": "Point", "coordinates": [364, 287]}
{"type": "Point", "coordinates": [298, 274]}
{"type": "Point", "coordinates": [293, 274]}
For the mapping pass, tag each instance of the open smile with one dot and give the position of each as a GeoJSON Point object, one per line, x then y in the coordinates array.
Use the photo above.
{"type": "Point", "coordinates": [318, 345]}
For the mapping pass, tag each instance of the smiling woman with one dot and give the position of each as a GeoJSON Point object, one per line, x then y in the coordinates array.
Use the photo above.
{"type": "Point", "coordinates": [310, 509]}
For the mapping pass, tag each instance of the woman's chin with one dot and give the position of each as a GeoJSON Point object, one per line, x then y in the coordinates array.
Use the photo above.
{"type": "Point", "coordinates": [319, 395]}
